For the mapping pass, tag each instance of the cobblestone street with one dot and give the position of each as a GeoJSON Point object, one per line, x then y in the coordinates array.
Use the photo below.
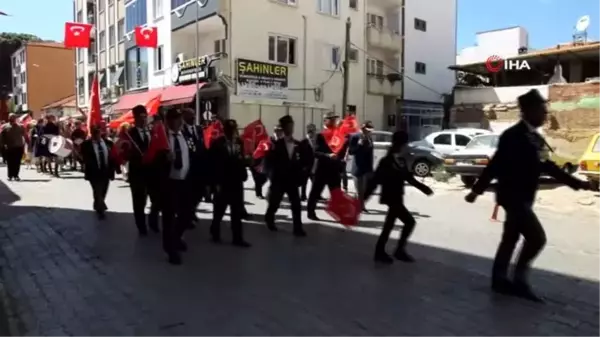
{"type": "Point", "coordinates": [64, 272]}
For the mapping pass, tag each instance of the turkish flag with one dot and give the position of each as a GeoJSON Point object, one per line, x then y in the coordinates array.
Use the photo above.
{"type": "Point", "coordinates": [158, 142]}
{"type": "Point", "coordinates": [146, 37]}
{"type": "Point", "coordinates": [213, 131]}
{"type": "Point", "coordinates": [261, 150]}
{"type": "Point", "coordinates": [333, 138]}
{"type": "Point", "coordinates": [94, 117]}
{"type": "Point", "coordinates": [349, 125]}
{"type": "Point", "coordinates": [343, 208]}
{"type": "Point", "coordinates": [77, 35]}
{"type": "Point", "coordinates": [253, 134]}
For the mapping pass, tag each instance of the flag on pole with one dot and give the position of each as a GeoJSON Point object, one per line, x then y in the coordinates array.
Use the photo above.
{"type": "Point", "coordinates": [94, 117]}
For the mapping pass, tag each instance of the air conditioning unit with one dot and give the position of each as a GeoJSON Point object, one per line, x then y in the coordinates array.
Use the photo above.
{"type": "Point", "coordinates": [105, 93]}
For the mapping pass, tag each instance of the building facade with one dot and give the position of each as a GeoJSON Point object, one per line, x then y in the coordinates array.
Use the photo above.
{"type": "Point", "coordinates": [42, 72]}
{"type": "Point", "coordinates": [277, 57]}
{"type": "Point", "coordinates": [107, 51]}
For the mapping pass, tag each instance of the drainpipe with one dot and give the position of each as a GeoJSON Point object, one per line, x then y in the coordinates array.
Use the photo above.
{"type": "Point", "coordinates": [304, 44]}
{"type": "Point", "coordinates": [400, 103]}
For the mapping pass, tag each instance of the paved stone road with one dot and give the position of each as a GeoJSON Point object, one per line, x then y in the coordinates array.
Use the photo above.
{"type": "Point", "coordinates": [66, 273]}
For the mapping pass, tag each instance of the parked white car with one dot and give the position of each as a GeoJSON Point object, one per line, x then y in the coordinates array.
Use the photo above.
{"type": "Point", "coordinates": [452, 140]}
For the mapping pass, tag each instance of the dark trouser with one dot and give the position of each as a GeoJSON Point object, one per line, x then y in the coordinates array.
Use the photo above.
{"type": "Point", "coordinates": [13, 158]}
{"type": "Point", "coordinates": [259, 181]}
{"type": "Point", "coordinates": [304, 184]}
{"type": "Point", "coordinates": [396, 211]}
{"type": "Point", "coordinates": [99, 190]}
{"type": "Point", "coordinates": [520, 220]}
{"type": "Point", "coordinates": [139, 198]}
{"type": "Point", "coordinates": [176, 214]}
{"type": "Point", "coordinates": [232, 196]}
{"type": "Point", "coordinates": [325, 176]}
{"type": "Point", "coordinates": [276, 192]}
{"type": "Point", "coordinates": [344, 178]}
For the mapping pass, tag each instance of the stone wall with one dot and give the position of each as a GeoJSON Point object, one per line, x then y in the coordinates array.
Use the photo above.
{"type": "Point", "coordinates": [575, 106]}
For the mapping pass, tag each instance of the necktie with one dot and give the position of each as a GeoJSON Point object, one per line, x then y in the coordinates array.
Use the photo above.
{"type": "Point", "coordinates": [101, 159]}
{"type": "Point", "coordinates": [193, 133]}
{"type": "Point", "coordinates": [178, 163]}
{"type": "Point", "coordinates": [144, 136]}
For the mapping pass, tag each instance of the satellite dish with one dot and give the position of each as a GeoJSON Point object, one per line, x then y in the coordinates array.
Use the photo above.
{"type": "Point", "coordinates": [583, 23]}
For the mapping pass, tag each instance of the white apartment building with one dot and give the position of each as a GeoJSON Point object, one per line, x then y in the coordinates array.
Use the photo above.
{"type": "Point", "coordinates": [285, 57]}
{"type": "Point", "coordinates": [107, 50]}
{"type": "Point", "coordinates": [19, 78]}
{"type": "Point", "coordinates": [505, 42]}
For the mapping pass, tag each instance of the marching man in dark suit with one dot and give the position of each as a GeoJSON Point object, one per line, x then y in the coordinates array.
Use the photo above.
{"type": "Point", "coordinates": [195, 139]}
{"type": "Point", "coordinates": [99, 167]}
{"type": "Point", "coordinates": [229, 174]}
{"type": "Point", "coordinates": [329, 166]}
{"type": "Point", "coordinates": [286, 169]}
{"type": "Point", "coordinates": [177, 198]}
{"type": "Point", "coordinates": [139, 172]}
{"type": "Point", "coordinates": [517, 166]}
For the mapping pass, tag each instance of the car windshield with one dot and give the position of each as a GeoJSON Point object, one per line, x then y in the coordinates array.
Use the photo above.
{"type": "Point", "coordinates": [489, 141]}
{"type": "Point", "coordinates": [421, 143]}
{"type": "Point", "coordinates": [596, 147]}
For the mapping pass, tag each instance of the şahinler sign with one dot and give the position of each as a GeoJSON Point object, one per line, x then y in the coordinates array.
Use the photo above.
{"type": "Point", "coordinates": [184, 71]}
{"type": "Point", "coordinates": [261, 79]}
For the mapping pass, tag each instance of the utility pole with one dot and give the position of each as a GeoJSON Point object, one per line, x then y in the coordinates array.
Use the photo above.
{"type": "Point", "coordinates": [346, 67]}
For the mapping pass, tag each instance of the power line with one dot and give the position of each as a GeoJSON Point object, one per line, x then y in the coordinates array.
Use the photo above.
{"type": "Point", "coordinates": [396, 70]}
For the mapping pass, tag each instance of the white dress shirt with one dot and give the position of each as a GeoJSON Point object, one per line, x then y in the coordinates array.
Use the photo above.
{"type": "Point", "coordinates": [180, 174]}
{"type": "Point", "coordinates": [144, 134]}
{"type": "Point", "coordinates": [100, 148]}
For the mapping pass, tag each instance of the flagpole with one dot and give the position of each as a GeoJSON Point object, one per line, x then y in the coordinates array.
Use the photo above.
{"type": "Point", "coordinates": [97, 51]}
{"type": "Point", "coordinates": [197, 65]}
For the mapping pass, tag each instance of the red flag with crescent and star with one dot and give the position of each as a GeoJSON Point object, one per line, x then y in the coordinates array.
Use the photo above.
{"type": "Point", "coordinates": [253, 134]}
{"type": "Point", "coordinates": [343, 208]}
{"type": "Point", "coordinates": [77, 35]}
{"type": "Point", "coordinates": [94, 117]}
{"type": "Point", "coordinates": [146, 37]}
{"type": "Point", "coordinates": [336, 136]}
{"type": "Point", "coordinates": [213, 131]}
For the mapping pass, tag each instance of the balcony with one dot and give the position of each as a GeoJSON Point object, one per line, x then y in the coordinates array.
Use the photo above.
{"type": "Point", "coordinates": [384, 38]}
{"type": "Point", "coordinates": [381, 85]}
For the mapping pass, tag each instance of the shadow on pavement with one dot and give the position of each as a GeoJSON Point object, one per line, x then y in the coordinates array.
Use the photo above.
{"type": "Point", "coordinates": [67, 273]}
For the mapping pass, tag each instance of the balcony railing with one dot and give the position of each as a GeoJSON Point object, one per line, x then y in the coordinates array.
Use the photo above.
{"type": "Point", "coordinates": [384, 38]}
{"type": "Point", "coordinates": [387, 85]}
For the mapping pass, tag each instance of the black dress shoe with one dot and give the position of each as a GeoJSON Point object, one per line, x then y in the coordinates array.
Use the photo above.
{"type": "Point", "coordinates": [313, 217]}
{"type": "Point", "coordinates": [175, 259]}
{"type": "Point", "coordinates": [402, 255]}
{"type": "Point", "coordinates": [17, 179]}
{"type": "Point", "coordinates": [272, 227]}
{"type": "Point", "coordinates": [215, 239]}
{"type": "Point", "coordinates": [303, 198]}
{"type": "Point", "coordinates": [154, 228]}
{"type": "Point", "coordinates": [101, 215]}
{"type": "Point", "coordinates": [383, 257]}
{"type": "Point", "coordinates": [300, 233]}
{"type": "Point", "coordinates": [523, 290]}
{"type": "Point", "coordinates": [143, 233]}
{"type": "Point", "coordinates": [182, 246]}
{"type": "Point", "coordinates": [241, 244]}
{"type": "Point", "coordinates": [502, 286]}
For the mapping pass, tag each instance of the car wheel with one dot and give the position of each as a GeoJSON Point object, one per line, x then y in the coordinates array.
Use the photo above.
{"type": "Point", "coordinates": [569, 168]}
{"type": "Point", "coordinates": [468, 180]}
{"type": "Point", "coordinates": [421, 168]}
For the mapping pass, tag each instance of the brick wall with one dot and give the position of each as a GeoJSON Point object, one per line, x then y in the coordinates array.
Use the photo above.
{"type": "Point", "coordinates": [575, 106]}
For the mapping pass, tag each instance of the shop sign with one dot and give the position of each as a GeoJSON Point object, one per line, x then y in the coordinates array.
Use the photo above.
{"type": "Point", "coordinates": [261, 79]}
{"type": "Point", "coordinates": [184, 71]}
